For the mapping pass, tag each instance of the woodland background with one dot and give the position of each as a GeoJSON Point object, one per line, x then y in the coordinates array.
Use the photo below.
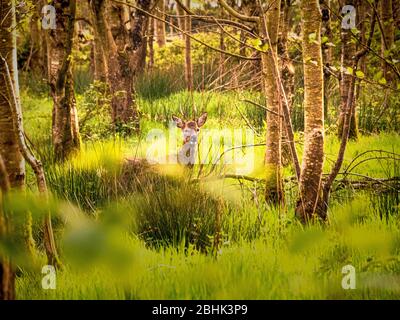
{"type": "Point", "coordinates": [77, 102]}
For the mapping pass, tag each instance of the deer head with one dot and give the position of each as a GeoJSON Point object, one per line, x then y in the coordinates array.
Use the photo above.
{"type": "Point", "coordinates": [190, 131]}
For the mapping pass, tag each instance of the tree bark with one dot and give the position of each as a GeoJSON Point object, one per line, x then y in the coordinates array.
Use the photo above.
{"type": "Point", "coordinates": [396, 13]}
{"type": "Point", "coordinates": [65, 127]}
{"type": "Point", "coordinates": [363, 9]}
{"type": "Point", "coordinates": [122, 48]}
{"type": "Point", "coordinates": [274, 193]}
{"type": "Point", "coordinates": [188, 51]}
{"type": "Point", "coordinates": [348, 112]}
{"type": "Point", "coordinates": [7, 273]}
{"type": "Point", "coordinates": [313, 157]}
{"type": "Point", "coordinates": [287, 71]}
{"type": "Point", "coordinates": [9, 150]}
{"type": "Point", "coordinates": [150, 64]}
{"type": "Point", "coordinates": [36, 166]}
{"type": "Point", "coordinates": [387, 38]}
{"type": "Point", "coordinates": [160, 25]}
{"type": "Point", "coordinates": [348, 49]}
{"type": "Point", "coordinates": [100, 62]}
{"type": "Point", "coordinates": [181, 19]}
{"type": "Point", "coordinates": [326, 51]}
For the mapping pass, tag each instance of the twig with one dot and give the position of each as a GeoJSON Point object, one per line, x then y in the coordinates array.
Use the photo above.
{"type": "Point", "coordinates": [184, 32]}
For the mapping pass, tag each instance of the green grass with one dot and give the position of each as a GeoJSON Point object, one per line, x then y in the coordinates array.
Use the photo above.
{"type": "Point", "coordinates": [133, 236]}
{"type": "Point", "coordinates": [289, 262]}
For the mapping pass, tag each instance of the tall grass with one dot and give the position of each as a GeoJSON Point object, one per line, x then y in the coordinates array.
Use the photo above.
{"type": "Point", "coordinates": [129, 232]}
{"type": "Point", "coordinates": [289, 262]}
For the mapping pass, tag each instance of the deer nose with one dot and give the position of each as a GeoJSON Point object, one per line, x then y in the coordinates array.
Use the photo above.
{"type": "Point", "coordinates": [193, 139]}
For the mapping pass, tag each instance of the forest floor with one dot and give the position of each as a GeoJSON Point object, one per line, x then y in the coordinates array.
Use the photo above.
{"type": "Point", "coordinates": [120, 241]}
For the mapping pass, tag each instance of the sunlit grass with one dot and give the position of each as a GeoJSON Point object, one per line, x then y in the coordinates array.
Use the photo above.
{"type": "Point", "coordinates": [290, 262]}
{"type": "Point", "coordinates": [137, 234]}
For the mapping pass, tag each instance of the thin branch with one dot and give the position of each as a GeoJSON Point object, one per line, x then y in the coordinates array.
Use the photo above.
{"type": "Point", "coordinates": [246, 120]}
{"type": "Point", "coordinates": [236, 14]}
{"type": "Point", "coordinates": [186, 33]}
{"type": "Point", "coordinates": [261, 106]}
{"type": "Point", "coordinates": [212, 19]}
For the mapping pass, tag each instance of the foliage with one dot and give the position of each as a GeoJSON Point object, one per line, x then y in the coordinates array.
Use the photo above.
{"type": "Point", "coordinates": [289, 262]}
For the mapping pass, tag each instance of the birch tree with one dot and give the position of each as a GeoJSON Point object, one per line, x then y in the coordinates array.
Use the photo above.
{"type": "Point", "coordinates": [9, 150]}
{"type": "Point", "coordinates": [313, 156]}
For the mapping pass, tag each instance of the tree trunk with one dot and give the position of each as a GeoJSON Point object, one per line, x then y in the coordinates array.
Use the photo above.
{"type": "Point", "coordinates": [160, 25]}
{"type": "Point", "coordinates": [150, 64]}
{"type": "Point", "coordinates": [313, 157]}
{"type": "Point", "coordinates": [274, 193]}
{"type": "Point", "coordinates": [387, 38]}
{"type": "Point", "coordinates": [188, 51]}
{"type": "Point", "coordinates": [142, 52]}
{"type": "Point", "coordinates": [7, 273]}
{"type": "Point", "coordinates": [122, 48]}
{"type": "Point", "coordinates": [348, 112]}
{"type": "Point", "coordinates": [181, 19]}
{"type": "Point", "coordinates": [99, 61]}
{"type": "Point", "coordinates": [396, 13]}
{"type": "Point", "coordinates": [326, 51]}
{"type": "Point", "coordinates": [363, 9]}
{"type": "Point", "coordinates": [59, 49]}
{"type": "Point", "coordinates": [247, 7]}
{"type": "Point", "coordinates": [13, 159]}
{"type": "Point", "coordinates": [221, 67]}
{"type": "Point", "coordinates": [12, 165]}
{"type": "Point", "coordinates": [348, 49]}
{"type": "Point", "coordinates": [287, 72]}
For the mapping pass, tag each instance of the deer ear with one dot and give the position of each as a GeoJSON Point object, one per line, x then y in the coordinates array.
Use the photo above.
{"type": "Point", "coordinates": [202, 120]}
{"type": "Point", "coordinates": [178, 121]}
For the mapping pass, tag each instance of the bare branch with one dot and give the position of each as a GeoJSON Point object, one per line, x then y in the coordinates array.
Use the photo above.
{"type": "Point", "coordinates": [236, 14]}
{"type": "Point", "coordinates": [186, 33]}
{"type": "Point", "coordinates": [213, 19]}
{"type": "Point", "coordinates": [261, 106]}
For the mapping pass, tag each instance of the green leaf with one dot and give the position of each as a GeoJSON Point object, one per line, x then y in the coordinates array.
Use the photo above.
{"type": "Point", "coordinates": [324, 39]}
{"type": "Point", "coordinates": [349, 70]}
{"type": "Point", "coordinates": [382, 81]}
{"type": "Point", "coordinates": [360, 74]}
{"type": "Point", "coordinates": [255, 42]}
{"type": "Point", "coordinates": [264, 47]}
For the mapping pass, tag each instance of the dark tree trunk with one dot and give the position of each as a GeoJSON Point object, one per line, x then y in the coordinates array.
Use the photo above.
{"type": "Point", "coordinates": [150, 64]}
{"type": "Point", "coordinates": [326, 51]}
{"type": "Point", "coordinates": [387, 38]}
{"type": "Point", "coordinates": [160, 25]}
{"type": "Point", "coordinates": [287, 71]}
{"type": "Point", "coordinates": [59, 49]}
{"type": "Point", "coordinates": [348, 49]}
{"type": "Point", "coordinates": [7, 273]}
{"type": "Point", "coordinates": [123, 48]}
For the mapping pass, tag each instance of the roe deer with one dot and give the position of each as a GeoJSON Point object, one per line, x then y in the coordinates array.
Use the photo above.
{"type": "Point", "coordinates": [190, 131]}
{"type": "Point", "coordinates": [187, 154]}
